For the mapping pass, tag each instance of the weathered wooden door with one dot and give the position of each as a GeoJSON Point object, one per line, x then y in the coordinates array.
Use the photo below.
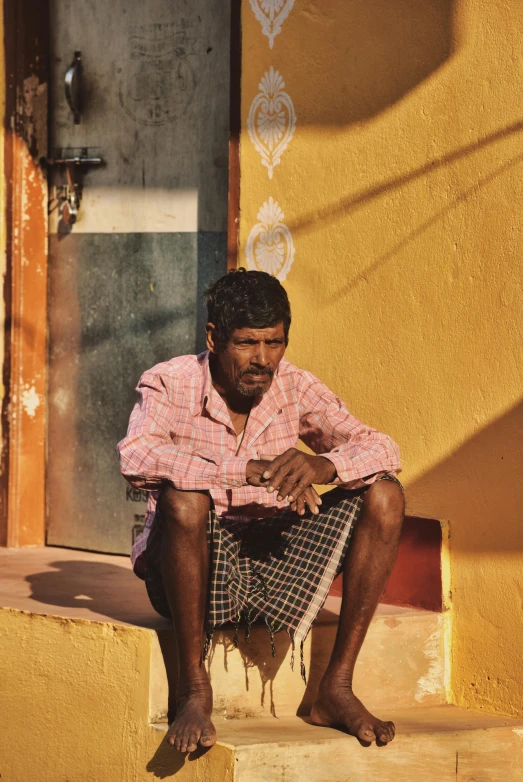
{"type": "Point", "coordinates": [151, 232]}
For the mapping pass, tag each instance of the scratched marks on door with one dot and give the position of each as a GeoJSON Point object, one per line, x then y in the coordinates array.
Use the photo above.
{"type": "Point", "coordinates": [158, 80]}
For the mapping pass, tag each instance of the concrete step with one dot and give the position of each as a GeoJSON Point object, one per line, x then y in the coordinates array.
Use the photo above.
{"type": "Point", "coordinates": [432, 744]}
{"type": "Point", "coordinates": [82, 666]}
{"type": "Point", "coordinates": [401, 664]}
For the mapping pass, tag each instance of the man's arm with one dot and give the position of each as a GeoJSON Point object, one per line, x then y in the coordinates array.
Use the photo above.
{"type": "Point", "coordinates": [359, 453]}
{"type": "Point", "coordinates": [348, 452]}
{"type": "Point", "coordinates": [148, 456]}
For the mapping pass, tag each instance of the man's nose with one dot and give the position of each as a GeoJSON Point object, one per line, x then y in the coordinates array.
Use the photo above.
{"type": "Point", "coordinates": [261, 356]}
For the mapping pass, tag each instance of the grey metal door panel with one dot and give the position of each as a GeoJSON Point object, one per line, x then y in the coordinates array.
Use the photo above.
{"type": "Point", "coordinates": [156, 102]}
{"type": "Point", "coordinates": [126, 279]}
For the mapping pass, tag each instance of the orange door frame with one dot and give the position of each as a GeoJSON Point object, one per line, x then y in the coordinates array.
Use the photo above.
{"type": "Point", "coordinates": [22, 474]}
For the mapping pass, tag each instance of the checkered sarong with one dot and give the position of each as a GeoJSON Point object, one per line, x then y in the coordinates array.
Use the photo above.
{"type": "Point", "coordinates": [278, 569]}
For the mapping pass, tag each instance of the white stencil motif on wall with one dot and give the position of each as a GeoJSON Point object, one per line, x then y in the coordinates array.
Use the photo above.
{"type": "Point", "coordinates": [271, 14]}
{"type": "Point", "coordinates": [272, 120]}
{"type": "Point", "coordinates": [270, 247]}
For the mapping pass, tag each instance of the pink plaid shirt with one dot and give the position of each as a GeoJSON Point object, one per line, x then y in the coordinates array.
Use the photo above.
{"type": "Point", "coordinates": [180, 431]}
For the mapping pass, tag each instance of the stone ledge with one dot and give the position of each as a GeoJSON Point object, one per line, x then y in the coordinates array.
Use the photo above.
{"type": "Point", "coordinates": [434, 744]}
{"type": "Point", "coordinates": [401, 662]}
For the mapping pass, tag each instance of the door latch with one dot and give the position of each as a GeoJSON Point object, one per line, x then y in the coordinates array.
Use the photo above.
{"type": "Point", "coordinates": [69, 195]}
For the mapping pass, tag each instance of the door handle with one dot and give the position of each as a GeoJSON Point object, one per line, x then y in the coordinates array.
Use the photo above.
{"type": "Point", "coordinates": [73, 87]}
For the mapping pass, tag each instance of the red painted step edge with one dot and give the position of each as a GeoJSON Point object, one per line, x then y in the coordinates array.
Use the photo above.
{"type": "Point", "coordinates": [416, 578]}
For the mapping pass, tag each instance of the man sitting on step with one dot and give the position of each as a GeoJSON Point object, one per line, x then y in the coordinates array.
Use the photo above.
{"type": "Point", "coordinates": [235, 529]}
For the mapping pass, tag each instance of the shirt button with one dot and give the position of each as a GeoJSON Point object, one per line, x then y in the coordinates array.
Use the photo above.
{"type": "Point", "coordinates": [234, 483]}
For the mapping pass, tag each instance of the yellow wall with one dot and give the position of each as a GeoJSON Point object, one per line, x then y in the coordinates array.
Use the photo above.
{"type": "Point", "coordinates": [402, 190]}
{"type": "Point", "coordinates": [64, 687]}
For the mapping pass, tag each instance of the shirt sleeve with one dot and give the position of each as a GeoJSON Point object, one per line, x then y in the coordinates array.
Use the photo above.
{"type": "Point", "coordinates": [360, 454]}
{"type": "Point", "coordinates": [148, 456]}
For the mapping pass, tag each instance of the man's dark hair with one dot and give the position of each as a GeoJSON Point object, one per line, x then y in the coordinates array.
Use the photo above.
{"type": "Point", "coordinates": [249, 299]}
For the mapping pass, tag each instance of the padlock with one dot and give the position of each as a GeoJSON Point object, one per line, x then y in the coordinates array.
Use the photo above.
{"type": "Point", "coordinates": [69, 213]}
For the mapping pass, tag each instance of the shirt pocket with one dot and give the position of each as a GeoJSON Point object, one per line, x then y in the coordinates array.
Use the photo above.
{"type": "Point", "coordinates": [282, 434]}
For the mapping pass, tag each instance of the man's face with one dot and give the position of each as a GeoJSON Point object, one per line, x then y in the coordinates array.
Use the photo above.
{"type": "Point", "coordinates": [250, 358]}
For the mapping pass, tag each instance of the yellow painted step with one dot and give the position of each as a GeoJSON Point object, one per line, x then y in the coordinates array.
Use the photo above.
{"type": "Point", "coordinates": [432, 744]}
{"type": "Point", "coordinates": [401, 664]}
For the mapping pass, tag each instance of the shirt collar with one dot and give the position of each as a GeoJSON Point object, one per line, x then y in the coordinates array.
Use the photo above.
{"type": "Point", "coordinates": [205, 388]}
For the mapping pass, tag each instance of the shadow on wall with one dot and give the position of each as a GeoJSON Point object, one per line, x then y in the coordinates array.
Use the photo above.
{"type": "Point", "coordinates": [349, 204]}
{"type": "Point", "coordinates": [384, 49]}
{"type": "Point", "coordinates": [479, 489]}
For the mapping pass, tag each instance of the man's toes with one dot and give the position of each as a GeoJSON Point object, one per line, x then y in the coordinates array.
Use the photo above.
{"type": "Point", "coordinates": [180, 741]}
{"type": "Point", "coordinates": [365, 733]}
{"type": "Point", "coordinates": [186, 740]}
{"type": "Point", "coordinates": [172, 736]}
{"type": "Point", "coordinates": [192, 741]}
{"type": "Point", "coordinates": [385, 732]}
{"type": "Point", "coordinates": [208, 737]}
{"type": "Point", "coordinates": [389, 729]}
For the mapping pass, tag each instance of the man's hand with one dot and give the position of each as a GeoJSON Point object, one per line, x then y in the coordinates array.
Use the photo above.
{"type": "Point", "coordinates": [308, 497]}
{"type": "Point", "coordinates": [293, 472]}
{"type": "Point", "coordinates": [255, 470]}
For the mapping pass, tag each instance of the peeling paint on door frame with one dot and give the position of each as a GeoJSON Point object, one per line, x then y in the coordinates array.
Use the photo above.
{"type": "Point", "coordinates": [22, 471]}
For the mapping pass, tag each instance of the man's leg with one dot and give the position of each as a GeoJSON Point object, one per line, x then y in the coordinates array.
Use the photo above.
{"type": "Point", "coordinates": [366, 569]}
{"type": "Point", "coordinates": [185, 573]}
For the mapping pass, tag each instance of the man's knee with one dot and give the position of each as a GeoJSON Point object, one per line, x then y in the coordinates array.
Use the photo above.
{"type": "Point", "coordinates": [384, 506]}
{"type": "Point", "coordinates": [184, 509]}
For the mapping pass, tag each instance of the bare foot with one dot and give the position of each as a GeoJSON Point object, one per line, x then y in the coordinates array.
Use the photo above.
{"type": "Point", "coordinates": [192, 725]}
{"type": "Point", "coordinates": [337, 707]}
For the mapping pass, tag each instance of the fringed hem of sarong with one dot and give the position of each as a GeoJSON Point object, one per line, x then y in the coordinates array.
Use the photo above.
{"type": "Point", "coordinates": [272, 631]}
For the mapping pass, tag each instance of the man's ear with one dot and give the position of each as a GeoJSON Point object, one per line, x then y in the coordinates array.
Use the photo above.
{"type": "Point", "coordinates": [210, 329]}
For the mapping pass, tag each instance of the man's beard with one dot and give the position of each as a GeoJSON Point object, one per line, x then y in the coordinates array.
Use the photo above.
{"type": "Point", "coordinates": [254, 390]}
